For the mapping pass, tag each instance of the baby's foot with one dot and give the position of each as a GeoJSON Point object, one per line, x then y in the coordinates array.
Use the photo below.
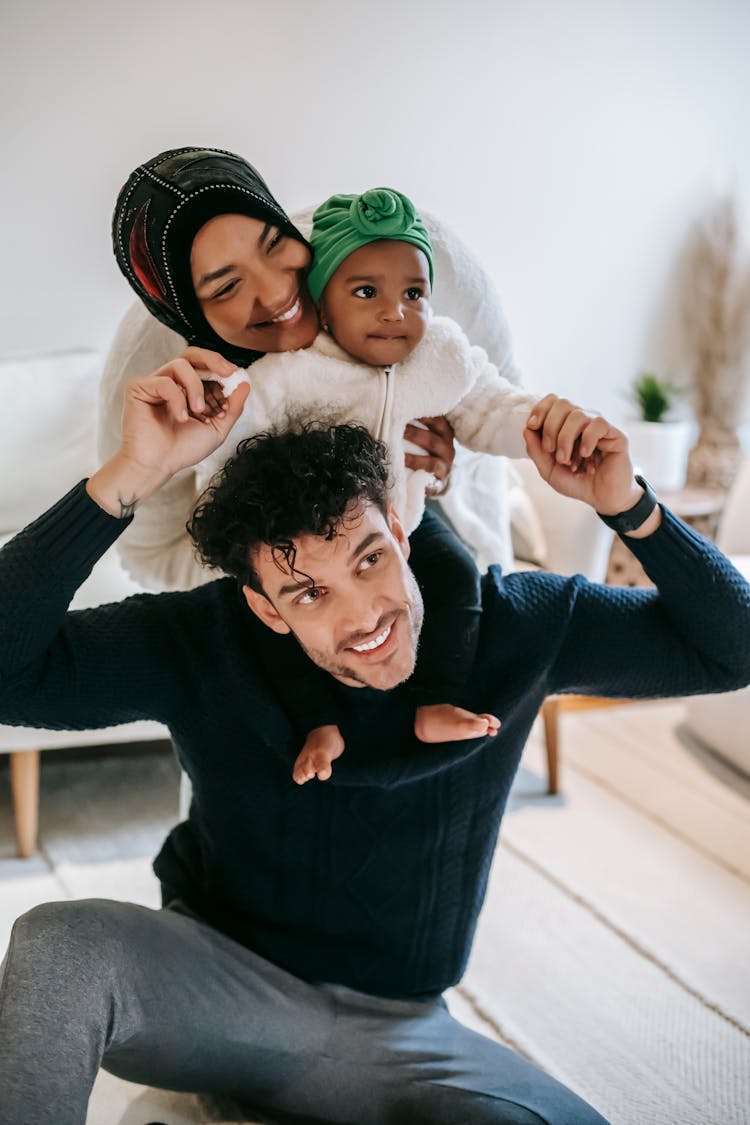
{"type": "Point", "coordinates": [322, 746]}
{"type": "Point", "coordinates": [442, 722]}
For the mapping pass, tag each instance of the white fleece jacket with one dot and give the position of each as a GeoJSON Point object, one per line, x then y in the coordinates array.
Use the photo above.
{"type": "Point", "coordinates": [156, 549]}
{"type": "Point", "coordinates": [443, 375]}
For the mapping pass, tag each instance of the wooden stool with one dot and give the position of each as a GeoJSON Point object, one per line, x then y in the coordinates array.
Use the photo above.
{"type": "Point", "coordinates": [24, 785]}
{"type": "Point", "coordinates": [550, 712]}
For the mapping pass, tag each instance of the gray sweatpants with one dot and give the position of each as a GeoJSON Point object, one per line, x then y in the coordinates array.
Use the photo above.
{"type": "Point", "coordinates": [160, 998]}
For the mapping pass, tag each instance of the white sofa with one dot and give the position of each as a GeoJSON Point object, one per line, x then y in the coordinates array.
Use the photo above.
{"type": "Point", "coordinates": [722, 721]}
{"type": "Point", "coordinates": [47, 444]}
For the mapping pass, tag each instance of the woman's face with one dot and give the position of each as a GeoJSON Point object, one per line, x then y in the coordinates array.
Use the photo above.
{"type": "Point", "coordinates": [250, 281]}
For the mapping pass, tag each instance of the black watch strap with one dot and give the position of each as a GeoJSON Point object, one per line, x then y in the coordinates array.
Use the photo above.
{"type": "Point", "coordinates": [632, 519]}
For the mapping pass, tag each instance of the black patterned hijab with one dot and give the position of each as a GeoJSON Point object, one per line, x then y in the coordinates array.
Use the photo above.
{"type": "Point", "coordinates": [158, 213]}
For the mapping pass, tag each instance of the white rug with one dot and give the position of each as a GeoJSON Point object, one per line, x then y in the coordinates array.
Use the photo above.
{"type": "Point", "coordinates": [613, 948]}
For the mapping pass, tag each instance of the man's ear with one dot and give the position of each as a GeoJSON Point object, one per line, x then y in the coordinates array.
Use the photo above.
{"type": "Point", "coordinates": [397, 530]}
{"type": "Point", "coordinates": [263, 609]}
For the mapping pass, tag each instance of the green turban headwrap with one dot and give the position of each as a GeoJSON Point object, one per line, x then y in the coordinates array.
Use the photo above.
{"type": "Point", "coordinates": [345, 222]}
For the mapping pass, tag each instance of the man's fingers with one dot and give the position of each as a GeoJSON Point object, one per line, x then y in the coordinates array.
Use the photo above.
{"type": "Point", "coordinates": [539, 413]}
{"type": "Point", "coordinates": [161, 390]}
{"type": "Point", "coordinates": [543, 461]}
{"type": "Point", "coordinates": [185, 374]}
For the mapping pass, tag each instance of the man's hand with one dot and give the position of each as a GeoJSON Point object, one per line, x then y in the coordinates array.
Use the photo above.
{"type": "Point", "coordinates": [171, 420]}
{"type": "Point", "coordinates": [439, 451]}
{"type": "Point", "coordinates": [584, 456]}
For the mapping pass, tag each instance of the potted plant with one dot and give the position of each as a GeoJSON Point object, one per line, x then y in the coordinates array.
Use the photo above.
{"type": "Point", "coordinates": [658, 444]}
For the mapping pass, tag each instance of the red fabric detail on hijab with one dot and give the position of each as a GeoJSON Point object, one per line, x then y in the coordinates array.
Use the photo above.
{"type": "Point", "coordinates": [142, 262]}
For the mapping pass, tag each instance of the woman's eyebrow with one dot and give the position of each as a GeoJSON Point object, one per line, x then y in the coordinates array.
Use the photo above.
{"type": "Point", "coordinates": [208, 277]}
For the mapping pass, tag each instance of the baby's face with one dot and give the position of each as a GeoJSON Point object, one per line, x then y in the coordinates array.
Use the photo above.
{"type": "Point", "coordinates": [377, 303]}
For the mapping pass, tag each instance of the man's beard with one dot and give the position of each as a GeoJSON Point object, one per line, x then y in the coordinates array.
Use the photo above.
{"type": "Point", "coordinates": [412, 615]}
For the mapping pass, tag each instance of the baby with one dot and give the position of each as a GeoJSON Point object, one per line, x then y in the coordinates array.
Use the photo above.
{"type": "Point", "coordinates": [383, 360]}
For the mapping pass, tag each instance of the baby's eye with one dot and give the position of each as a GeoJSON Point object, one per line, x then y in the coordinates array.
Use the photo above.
{"type": "Point", "coordinates": [414, 293]}
{"type": "Point", "coordinates": [365, 291]}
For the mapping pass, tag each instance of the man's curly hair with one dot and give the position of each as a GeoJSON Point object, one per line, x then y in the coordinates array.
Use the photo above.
{"type": "Point", "coordinates": [279, 486]}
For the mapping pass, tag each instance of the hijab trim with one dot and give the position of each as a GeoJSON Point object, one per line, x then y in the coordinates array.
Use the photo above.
{"type": "Point", "coordinates": [186, 198]}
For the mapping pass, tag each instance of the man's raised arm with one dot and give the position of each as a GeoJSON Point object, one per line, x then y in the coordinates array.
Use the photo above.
{"type": "Point", "coordinates": [48, 657]}
{"type": "Point", "coordinates": [692, 633]}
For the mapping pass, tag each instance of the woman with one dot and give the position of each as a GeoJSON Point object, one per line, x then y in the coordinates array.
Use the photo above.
{"type": "Point", "coordinates": [260, 305]}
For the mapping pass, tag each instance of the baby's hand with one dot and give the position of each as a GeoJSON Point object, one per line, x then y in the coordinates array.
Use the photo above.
{"type": "Point", "coordinates": [322, 746]}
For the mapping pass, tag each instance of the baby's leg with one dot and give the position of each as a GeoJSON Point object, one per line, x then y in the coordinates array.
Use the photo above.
{"type": "Point", "coordinates": [322, 746]}
{"type": "Point", "coordinates": [306, 695]}
{"type": "Point", "coordinates": [450, 585]}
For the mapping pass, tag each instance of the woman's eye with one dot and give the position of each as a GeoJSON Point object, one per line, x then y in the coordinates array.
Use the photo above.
{"type": "Point", "coordinates": [414, 293]}
{"type": "Point", "coordinates": [274, 242]}
{"type": "Point", "coordinates": [366, 291]}
{"type": "Point", "coordinates": [229, 288]}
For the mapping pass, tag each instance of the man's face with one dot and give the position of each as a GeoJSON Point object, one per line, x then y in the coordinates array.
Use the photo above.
{"type": "Point", "coordinates": [360, 618]}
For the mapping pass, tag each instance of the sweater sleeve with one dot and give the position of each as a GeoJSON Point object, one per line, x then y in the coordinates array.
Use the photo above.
{"type": "Point", "coordinates": [84, 669]}
{"type": "Point", "coordinates": [492, 416]}
{"type": "Point", "coordinates": [690, 635]}
{"type": "Point", "coordinates": [155, 550]}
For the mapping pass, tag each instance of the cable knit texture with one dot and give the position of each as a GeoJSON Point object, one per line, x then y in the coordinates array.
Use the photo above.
{"type": "Point", "coordinates": [374, 879]}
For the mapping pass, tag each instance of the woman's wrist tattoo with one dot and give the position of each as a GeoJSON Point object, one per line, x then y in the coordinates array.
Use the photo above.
{"type": "Point", "coordinates": [127, 507]}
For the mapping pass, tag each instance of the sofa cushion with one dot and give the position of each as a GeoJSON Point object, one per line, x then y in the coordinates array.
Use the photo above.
{"type": "Point", "coordinates": [47, 430]}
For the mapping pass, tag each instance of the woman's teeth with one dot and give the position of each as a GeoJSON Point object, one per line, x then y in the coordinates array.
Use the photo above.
{"type": "Point", "coordinates": [288, 314]}
{"type": "Point", "coordinates": [376, 643]}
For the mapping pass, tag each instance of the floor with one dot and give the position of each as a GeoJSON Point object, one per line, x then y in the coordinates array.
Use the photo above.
{"type": "Point", "coordinates": [613, 948]}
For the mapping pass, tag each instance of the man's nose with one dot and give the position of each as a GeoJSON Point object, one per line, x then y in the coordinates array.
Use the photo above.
{"type": "Point", "coordinates": [362, 615]}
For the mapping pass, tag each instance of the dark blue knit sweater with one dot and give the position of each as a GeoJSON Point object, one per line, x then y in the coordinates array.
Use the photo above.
{"type": "Point", "coordinates": [375, 878]}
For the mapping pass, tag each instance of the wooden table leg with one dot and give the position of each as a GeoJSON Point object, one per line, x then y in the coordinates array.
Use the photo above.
{"type": "Point", "coordinates": [550, 715]}
{"type": "Point", "coordinates": [24, 784]}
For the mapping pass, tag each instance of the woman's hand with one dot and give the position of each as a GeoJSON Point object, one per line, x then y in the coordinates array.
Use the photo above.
{"type": "Point", "coordinates": [439, 451]}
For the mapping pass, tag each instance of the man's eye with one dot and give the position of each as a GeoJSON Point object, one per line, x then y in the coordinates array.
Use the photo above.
{"type": "Point", "coordinates": [366, 291]}
{"type": "Point", "coordinates": [309, 597]}
{"type": "Point", "coordinates": [370, 560]}
{"type": "Point", "coordinates": [414, 293]}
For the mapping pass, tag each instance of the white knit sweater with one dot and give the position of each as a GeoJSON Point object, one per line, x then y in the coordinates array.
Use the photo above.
{"type": "Point", "coordinates": [443, 375]}
{"type": "Point", "coordinates": [156, 549]}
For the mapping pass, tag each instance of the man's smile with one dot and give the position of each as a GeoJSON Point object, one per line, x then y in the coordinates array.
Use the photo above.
{"type": "Point", "coordinates": [379, 640]}
{"type": "Point", "coordinates": [379, 645]}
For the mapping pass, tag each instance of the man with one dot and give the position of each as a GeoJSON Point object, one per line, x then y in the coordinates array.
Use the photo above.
{"type": "Point", "coordinates": [309, 932]}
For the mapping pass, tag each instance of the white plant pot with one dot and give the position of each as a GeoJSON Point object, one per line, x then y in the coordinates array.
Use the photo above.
{"type": "Point", "coordinates": [660, 451]}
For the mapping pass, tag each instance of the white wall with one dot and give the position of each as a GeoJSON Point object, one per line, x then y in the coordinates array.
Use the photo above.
{"type": "Point", "coordinates": [572, 142]}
